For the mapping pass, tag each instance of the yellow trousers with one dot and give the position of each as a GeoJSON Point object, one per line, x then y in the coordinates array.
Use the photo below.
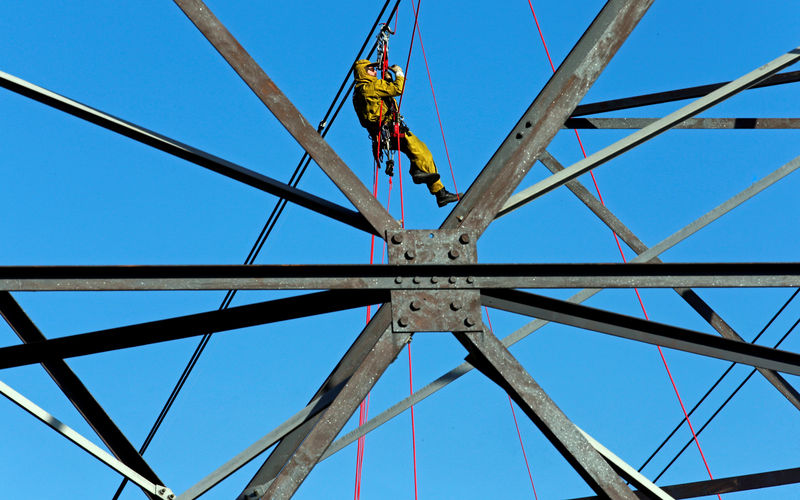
{"type": "Point", "coordinates": [418, 154]}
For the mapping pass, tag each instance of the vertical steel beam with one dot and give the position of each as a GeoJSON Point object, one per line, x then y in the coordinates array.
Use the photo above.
{"type": "Point", "coordinates": [491, 357]}
{"type": "Point", "coordinates": [289, 116]}
{"type": "Point", "coordinates": [338, 413]}
{"type": "Point", "coordinates": [77, 393]}
{"type": "Point", "coordinates": [547, 113]}
{"type": "Point", "coordinates": [691, 298]}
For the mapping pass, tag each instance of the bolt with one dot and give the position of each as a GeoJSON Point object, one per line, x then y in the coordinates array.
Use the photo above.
{"type": "Point", "coordinates": [397, 238]}
{"type": "Point", "coordinates": [470, 279]}
{"type": "Point", "coordinates": [415, 305]}
{"type": "Point", "coordinates": [455, 306]}
{"type": "Point", "coordinates": [453, 254]}
{"type": "Point", "coordinates": [411, 254]}
{"type": "Point", "coordinates": [398, 280]}
{"type": "Point", "coordinates": [434, 279]}
{"type": "Point", "coordinates": [464, 238]}
{"type": "Point", "coordinates": [161, 491]}
{"type": "Point", "coordinates": [416, 280]}
{"type": "Point", "coordinates": [452, 280]}
{"type": "Point", "coordinates": [469, 321]}
{"type": "Point", "coordinates": [403, 321]}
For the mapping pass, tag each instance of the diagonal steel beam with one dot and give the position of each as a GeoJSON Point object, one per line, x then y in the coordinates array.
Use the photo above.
{"type": "Point", "coordinates": [641, 330]}
{"type": "Point", "coordinates": [77, 393]}
{"type": "Point", "coordinates": [581, 167]}
{"type": "Point", "coordinates": [493, 359]}
{"type": "Point", "coordinates": [691, 298]}
{"type": "Point", "coordinates": [578, 298]}
{"type": "Point", "coordinates": [732, 484]}
{"type": "Point", "coordinates": [339, 412]}
{"type": "Point", "coordinates": [44, 351]}
{"type": "Point", "coordinates": [691, 123]}
{"type": "Point", "coordinates": [283, 109]}
{"type": "Point", "coordinates": [153, 490]}
{"type": "Point", "coordinates": [185, 152]}
{"type": "Point", "coordinates": [548, 111]}
{"type": "Point", "coordinates": [674, 95]}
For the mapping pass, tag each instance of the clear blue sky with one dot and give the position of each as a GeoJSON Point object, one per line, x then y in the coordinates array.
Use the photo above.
{"type": "Point", "coordinates": [73, 193]}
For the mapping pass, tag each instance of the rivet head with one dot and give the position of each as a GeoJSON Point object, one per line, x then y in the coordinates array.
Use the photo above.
{"type": "Point", "coordinates": [415, 305]}
{"type": "Point", "coordinates": [397, 239]}
{"type": "Point", "coordinates": [411, 254]}
{"type": "Point", "coordinates": [519, 135]}
{"type": "Point", "coordinates": [403, 321]}
{"type": "Point", "coordinates": [455, 306]}
{"type": "Point", "coordinates": [527, 124]}
{"type": "Point", "coordinates": [464, 238]}
{"type": "Point", "coordinates": [469, 321]}
{"type": "Point", "coordinates": [452, 280]}
{"type": "Point", "coordinates": [470, 279]}
{"type": "Point", "coordinates": [416, 280]}
{"type": "Point", "coordinates": [453, 254]}
{"type": "Point", "coordinates": [398, 280]}
{"type": "Point", "coordinates": [434, 279]}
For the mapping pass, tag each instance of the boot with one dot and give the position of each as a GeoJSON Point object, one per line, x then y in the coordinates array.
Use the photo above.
{"type": "Point", "coordinates": [443, 197]}
{"type": "Point", "coordinates": [420, 177]}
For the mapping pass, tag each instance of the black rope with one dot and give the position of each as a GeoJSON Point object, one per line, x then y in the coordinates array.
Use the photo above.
{"type": "Point", "coordinates": [305, 160]}
{"type": "Point", "coordinates": [719, 380]}
{"type": "Point", "coordinates": [752, 372]}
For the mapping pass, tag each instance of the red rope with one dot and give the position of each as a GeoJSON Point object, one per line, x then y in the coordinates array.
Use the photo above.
{"type": "Point", "coordinates": [413, 433]}
{"type": "Point", "coordinates": [622, 254]}
{"type": "Point", "coordinates": [435, 104]}
{"type": "Point", "coordinates": [513, 414]}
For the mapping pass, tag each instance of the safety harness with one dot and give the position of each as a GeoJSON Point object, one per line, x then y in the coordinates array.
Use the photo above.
{"type": "Point", "coordinates": [395, 128]}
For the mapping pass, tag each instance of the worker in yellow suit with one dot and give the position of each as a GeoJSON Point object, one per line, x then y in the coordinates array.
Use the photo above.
{"type": "Point", "coordinates": [376, 108]}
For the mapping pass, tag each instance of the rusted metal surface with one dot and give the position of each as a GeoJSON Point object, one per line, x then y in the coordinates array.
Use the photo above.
{"type": "Point", "coordinates": [691, 123]}
{"type": "Point", "coordinates": [77, 393]}
{"type": "Point", "coordinates": [185, 326]}
{"type": "Point", "coordinates": [728, 485]}
{"type": "Point", "coordinates": [548, 111]}
{"type": "Point", "coordinates": [641, 330]}
{"type": "Point", "coordinates": [674, 95]}
{"type": "Point", "coordinates": [698, 304]}
{"type": "Point", "coordinates": [491, 357]}
{"type": "Point", "coordinates": [400, 276]}
{"type": "Point", "coordinates": [283, 109]}
{"type": "Point", "coordinates": [436, 311]}
{"type": "Point", "coordinates": [337, 414]}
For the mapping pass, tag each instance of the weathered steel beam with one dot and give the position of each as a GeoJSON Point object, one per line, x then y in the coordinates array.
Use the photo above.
{"type": "Point", "coordinates": [674, 95]}
{"type": "Point", "coordinates": [493, 359]}
{"type": "Point", "coordinates": [186, 326]}
{"type": "Point", "coordinates": [153, 490]}
{"type": "Point", "coordinates": [727, 484]}
{"type": "Point", "coordinates": [288, 115]}
{"type": "Point", "coordinates": [77, 393]}
{"type": "Point", "coordinates": [609, 152]}
{"type": "Point", "coordinates": [691, 123]}
{"type": "Point", "coordinates": [185, 152]}
{"type": "Point", "coordinates": [547, 113]}
{"type": "Point", "coordinates": [641, 330]}
{"type": "Point", "coordinates": [400, 276]}
{"type": "Point", "coordinates": [691, 298]}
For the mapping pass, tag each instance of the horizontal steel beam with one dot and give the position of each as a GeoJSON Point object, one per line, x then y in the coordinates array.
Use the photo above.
{"type": "Point", "coordinates": [399, 277]}
{"type": "Point", "coordinates": [691, 123]}
{"type": "Point", "coordinates": [187, 326]}
{"type": "Point", "coordinates": [727, 484]}
{"type": "Point", "coordinates": [641, 330]}
{"type": "Point", "coordinates": [185, 152]}
{"type": "Point", "coordinates": [674, 95]}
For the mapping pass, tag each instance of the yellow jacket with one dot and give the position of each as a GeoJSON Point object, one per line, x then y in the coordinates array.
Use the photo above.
{"type": "Point", "coordinates": [370, 93]}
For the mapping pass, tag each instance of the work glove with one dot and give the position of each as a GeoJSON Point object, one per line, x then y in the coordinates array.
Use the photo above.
{"type": "Point", "coordinates": [398, 72]}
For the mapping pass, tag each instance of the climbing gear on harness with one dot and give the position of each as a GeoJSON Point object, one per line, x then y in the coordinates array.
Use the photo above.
{"type": "Point", "coordinates": [383, 46]}
{"type": "Point", "coordinates": [443, 197]}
